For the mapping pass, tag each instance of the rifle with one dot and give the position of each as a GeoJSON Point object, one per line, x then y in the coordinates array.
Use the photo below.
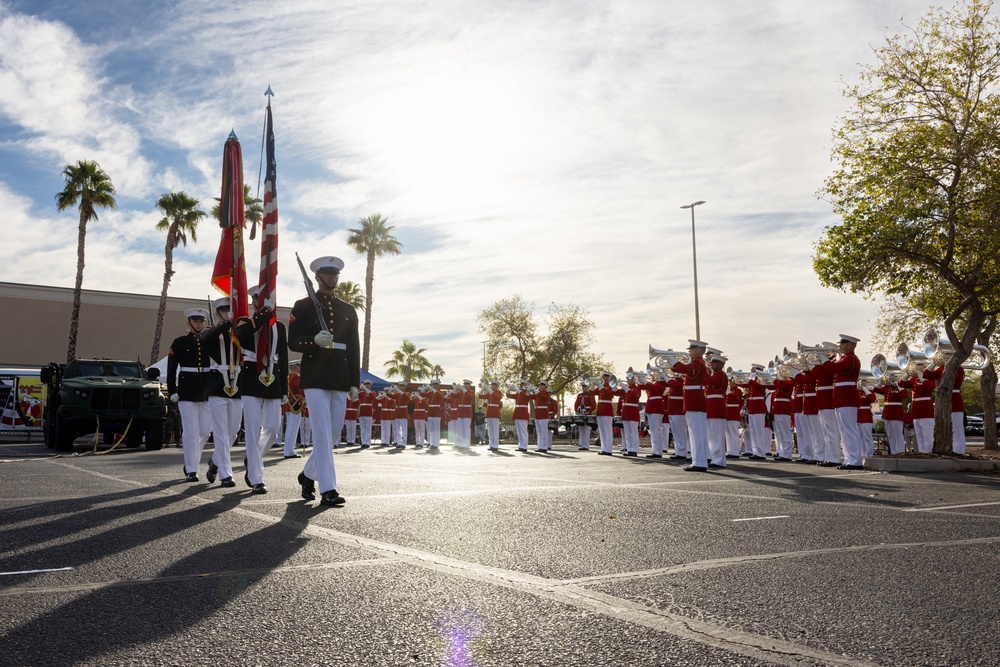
{"type": "Point", "coordinates": [312, 295]}
{"type": "Point", "coordinates": [211, 318]}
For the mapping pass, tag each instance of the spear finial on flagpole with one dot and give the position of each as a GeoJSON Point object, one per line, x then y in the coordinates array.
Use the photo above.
{"type": "Point", "coordinates": [269, 93]}
{"type": "Point", "coordinates": [232, 133]}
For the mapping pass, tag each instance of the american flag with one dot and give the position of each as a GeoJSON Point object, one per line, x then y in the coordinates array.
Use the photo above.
{"type": "Point", "coordinates": [268, 246]}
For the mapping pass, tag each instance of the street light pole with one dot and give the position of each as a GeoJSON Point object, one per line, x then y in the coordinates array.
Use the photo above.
{"type": "Point", "coordinates": [694, 261]}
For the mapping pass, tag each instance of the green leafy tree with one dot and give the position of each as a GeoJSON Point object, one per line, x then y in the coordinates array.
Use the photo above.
{"type": "Point", "coordinates": [181, 216]}
{"type": "Point", "coordinates": [518, 348]}
{"type": "Point", "coordinates": [408, 363]}
{"type": "Point", "coordinates": [917, 181]}
{"type": "Point", "coordinates": [350, 292]}
{"type": "Point", "coordinates": [437, 372]}
{"type": "Point", "coordinates": [372, 238]}
{"type": "Point", "coordinates": [90, 187]}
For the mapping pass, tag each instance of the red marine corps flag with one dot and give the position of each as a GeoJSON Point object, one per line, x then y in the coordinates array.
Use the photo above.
{"type": "Point", "coordinates": [268, 252]}
{"type": "Point", "coordinates": [230, 273]}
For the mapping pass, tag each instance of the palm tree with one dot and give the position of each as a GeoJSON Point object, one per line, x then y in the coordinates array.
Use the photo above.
{"type": "Point", "coordinates": [180, 218]}
{"type": "Point", "coordinates": [409, 363]}
{"type": "Point", "coordinates": [372, 239]}
{"type": "Point", "coordinates": [437, 372]}
{"type": "Point", "coordinates": [350, 292]}
{"type": "Point", "coordinates": [87, 184]}
{"type": "Point", "coordinates": [253, 209]}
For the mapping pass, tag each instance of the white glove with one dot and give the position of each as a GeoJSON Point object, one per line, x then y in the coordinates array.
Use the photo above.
{"type": "Point", "coordinates": [352, 393]}
{"type": "Point", "coordinates": [323, 339]}
{"type": "Point", "coordinates": [174, 398]}
{"type": "Point", "coordinates": [284, 400]}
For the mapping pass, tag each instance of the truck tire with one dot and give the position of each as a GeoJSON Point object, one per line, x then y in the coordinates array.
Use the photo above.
{"type": "Point", "coordinates": [134, 436]}
{"type": "Point", "coordinates": [63, 437]}
{"type": "Point", "coordinates": [49, 429]}
{"type": "Point", "coordinates": [154, 436]}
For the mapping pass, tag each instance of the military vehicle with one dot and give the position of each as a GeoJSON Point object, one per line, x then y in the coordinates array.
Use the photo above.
{"type": "Point", "coordinates": [106, 397]}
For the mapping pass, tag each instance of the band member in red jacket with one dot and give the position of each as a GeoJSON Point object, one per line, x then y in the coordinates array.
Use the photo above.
{"type": "Point", "coordinates": [760, 444]}
{"type": "Point", "coordinates": [494, 399]}
{"type": "Point", "coordinates": [419, 419]}
{"type": "Point", "coordinates": [521, 415]}
{"type": "Point", "coordinates": [828, 433]}
{"type": "Point", "coordinates": [630, 416]}
{"type": "Point", "coordinates": [677, 420]}
{"type": "Point", "coordinates": [695, 408]}
{"type": "Point", "coordinates": [350, 422]}
{"type": "Point", "coordinates": [781, 417]}
{"type": "Point", "coordinates": [401, 427]}
{"type": "Point", "coordinates": [435, 403]}
{"type": "Point", "coordinates": [807, 422]}
{"type": "Point", "coordinates": [605, 414]}
{"type": "Point", "coordinates": [542, 400]}
{"type": "Point", "coordinates": [656, 407]}
{"type": "Point", "coordinates": [734, 413]}
{"type": "Point", "coordinates": [846, 371]}
{"type": "Point", "coordinates": [922, 408]}
{"type": "Point", "coordinates": [585, 404]}
{"type": "Point", "coordinates": [957, 407]}
{"type": "Point", "coordinates": [466, 397]}
{"type": "Point", "coordinates": [866, 421]}
{"type": "Point", "coordinates": [366, 403]}
{"type": "Point", "coordinates": [892, 416]}
{"type": "Point", "coordinates": [715, 397]}
{"type": "Point", "coordinates": [387, 411]}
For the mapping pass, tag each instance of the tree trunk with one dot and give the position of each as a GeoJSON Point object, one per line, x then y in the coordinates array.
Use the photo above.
{"type": "Point", "coordinates": [74, 321]}
{"type": "Point", "coordinates": [369, 281]}
{"type": "Point", "coordinates": [988, 387]}
{"type": "Point", "coordinates": [168, 273]}
{"type": "Point", "coordinates": [942, 393]}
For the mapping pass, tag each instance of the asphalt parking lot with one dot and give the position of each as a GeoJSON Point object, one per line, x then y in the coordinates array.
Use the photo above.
{"type": "Point", "coordinates": [476, 558]}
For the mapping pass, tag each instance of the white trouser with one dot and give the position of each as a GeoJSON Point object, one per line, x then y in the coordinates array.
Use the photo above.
{"type": "Point", "coordinates": [894, 436]}
{"type": "Point", "coordinates": [305, 432]}
{"type": "Point", "coordinates": [733, 437]}
{"type": "Point", "coordinates": [521, 426]}
{"type": "Point", "coordinates": [665, 433]}
{"type": "Point", "coordinates": [453, 435]}
{"type": "Point", "coordinates": [958, 432]}
{"type": "Point", "coordinates": [434, 431]}
{"type": "Point", "coordinates": [783, 436]}
{"type": "Point", "coordinates": [326, 411]}
{"type": "Point", "coordinates": [293, 420]}
{"type": "Point", "coordinates": [464, 436]}
{"type": "Point", "coordinates": [755, 427]}
{"type": "Point", "coordinates": [225, 417]}
{"type": "Point", "coordinates": [698, 436]}
{"type": "Point", "coordinates": [606, 429]}
{"type": "Point", "coordinates": [420, 432]}
{"type": "Point", "coordinates": [717, 441]}
{"type": "Point", "coordinates": [261, 417]}
{"type": "Point", "coordinates": [630, 434]}
{"type": "Point", "coordinates": [682, 443]}
{"type": "Point", "coordinates": [923, 429]}
{"type": "Point", "coordinates": [850, 438]}
{"type": "Point", "coordinates": [867, 439]}
{"type": "Point", "coordinates": [351, 431]}
{"type": "Point", "coordinates": [493, 431]}
{"type": "Point", "coordinates": [830, 442]}
{"type": "Point", "coordinates": [542, 433]}
{"type": "Point", "coordinates": [385, 432]}
{"type": "Point", "coordinates": [366, 430]}
{"type": "Point", "coordinates": [584, 433]}
{"type": "Point", "coordinates": [402, 430]}
{"type": "Point", "coordinates": [196, 425]}
{"type": "Point", "coordinates": [655, 423]}
{"type": "Point", "coordinates": [804, 438]}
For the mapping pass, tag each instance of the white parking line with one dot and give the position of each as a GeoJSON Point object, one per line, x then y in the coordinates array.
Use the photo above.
{"type": "Point", "coordinates": [763, 518]}
{"type": "Point", "coordinates": [54, 569]}
{"type": "Point", "coordinates": [949, 507]}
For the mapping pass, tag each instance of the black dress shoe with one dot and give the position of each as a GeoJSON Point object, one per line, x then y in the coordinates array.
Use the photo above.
{"type": "Point", "coordinates": [604, 453]}
{"type": "Point", "coordinates": [678, 458]}
{"type": "Point", "coordinates": [654, 456]}
{"type": "Point", "coordinates": [258, 488]}
{"type": "Point", "coordinates": [732, 456]}
{"type": "Point", "coordinates": [714, 465]}
{"type": "Point", "coordinates": [332, 499]}
{"type": "Point", "coordinates": [847, 467]}
{"type": "Point", "coordinates": [782, 459]}
{"type": "Point", "coordinates": [747, 454]}
{"type": "Point", "coordinates": [754, 457]}
{"type": "Point", "coordinates": [827, 464]}
{"type": "Point", "coordinates": [695, 469]}
{"type": "Point", "coordinates": [365, 446]}
{"type": "Point", "coordinates": [803, 461]}
{"type": "Point", "coordinates": [192, 477]}
{"type": "Point", "coordinates": [213, 471]}
{"type": "Point", "coordinates": [293, 456]}
{"type": "Point", "coordinates": [630, 454]}
{"type": "Point", "coordinates": [308, 487]}
{"type": "Point", "coordinates": [227, 482]}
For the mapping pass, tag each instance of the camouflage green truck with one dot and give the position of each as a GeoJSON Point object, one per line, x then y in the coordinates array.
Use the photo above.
{"type": "Point", "coordinates": [102, 396]}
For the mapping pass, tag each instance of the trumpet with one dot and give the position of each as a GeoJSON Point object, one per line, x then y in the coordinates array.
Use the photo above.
{"type": "Point", "coordinates": [940, 350]}
{"type": "Point", "coordinates": [764, 376]}
{"type": "Point", "coordinates": [665, 359]}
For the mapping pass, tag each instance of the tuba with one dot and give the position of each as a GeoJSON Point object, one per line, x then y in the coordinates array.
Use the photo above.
{"type": "Point", "coordinates": [912, 362]}
{"type": "Point", "coordinates": [867, 380]}
{"type": "Point", "coordinates": [665, 359]}
{"type": "Point", "coordinates": [940, 350]}
{"type": "Point", "coordinates": [885, 371]}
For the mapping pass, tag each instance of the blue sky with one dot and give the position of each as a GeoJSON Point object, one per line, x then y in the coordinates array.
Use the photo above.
{"type": "Point", "coordinates": [538, 147]}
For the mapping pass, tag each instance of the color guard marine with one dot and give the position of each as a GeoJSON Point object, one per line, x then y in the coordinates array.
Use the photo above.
{"type": "Point", "coordinates": [188, 364]}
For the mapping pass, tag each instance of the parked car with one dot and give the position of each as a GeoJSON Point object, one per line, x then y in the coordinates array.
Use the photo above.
{"type": "Point", "coordinates": [982, 419]}
{"type": "Point", "coordinates": [973, 425]}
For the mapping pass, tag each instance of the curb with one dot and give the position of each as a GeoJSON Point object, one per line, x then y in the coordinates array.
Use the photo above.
{"type": "Point", "coordinates": [886, 464]}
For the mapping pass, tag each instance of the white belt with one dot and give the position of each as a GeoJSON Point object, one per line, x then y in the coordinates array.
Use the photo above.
{"type": "Point", "coordinates": [824, 388]}
{"type": "Point", "coordinates": [691, 388]}
{"type": "Point", "coordinates": [192, 369]}
{"type": "Point", "coordinates": [807, 395]}
{"type": "Point", "coordinates": [956, 391]}
{"type": "Point", "coordinates": [604, 400]}
{"type": "Point", "coordinates": [785, 400]}
{"type": "Point", "coordinates": [519, 405]}
{"type": "Point", "coordinates": [676, 398]}
{"type": "Point", "coordinates": [757, 398]}
{"type": "Point", "coordinates": [631, 405]}
{"type": "Point", "coordinates": [715, 396]}
{"type": "Point", "coordinates": [923, 398]}
{"type": "Point", "coordinates": [844, 384]}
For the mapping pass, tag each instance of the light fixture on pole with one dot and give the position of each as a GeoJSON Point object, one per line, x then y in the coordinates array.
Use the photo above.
{"type": "Point", "coordinates": [694, 261]}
